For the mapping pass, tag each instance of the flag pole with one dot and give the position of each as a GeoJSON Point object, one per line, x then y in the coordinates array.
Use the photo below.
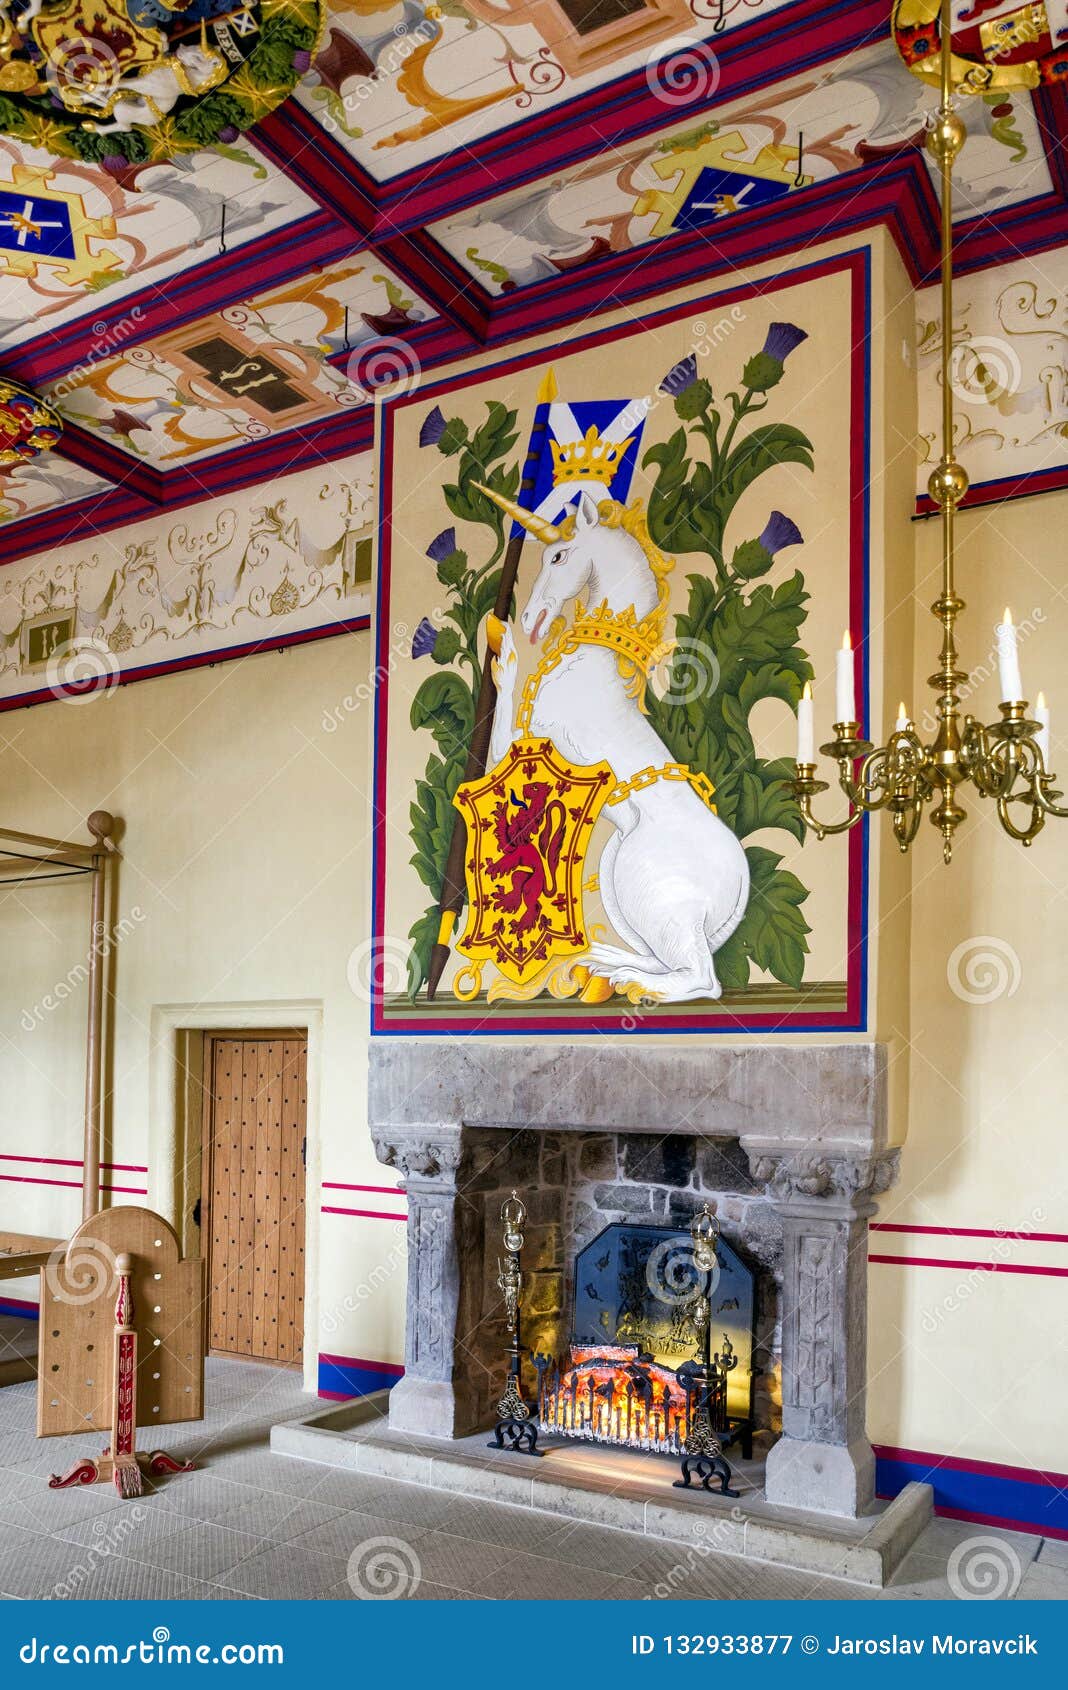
{"type": "Point", "coordinates": [453, 889]}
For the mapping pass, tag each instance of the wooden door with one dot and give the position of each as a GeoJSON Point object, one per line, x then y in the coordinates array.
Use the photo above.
{"type": "Point", "coordinates": [252, 1199]}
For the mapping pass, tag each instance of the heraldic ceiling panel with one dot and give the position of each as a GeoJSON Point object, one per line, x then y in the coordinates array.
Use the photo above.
{"type": "Point", "coordinates": [223, 226]}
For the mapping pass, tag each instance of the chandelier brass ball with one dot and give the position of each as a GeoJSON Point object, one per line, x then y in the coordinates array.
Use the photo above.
{"type": "Point", "coordinates": [948, 484]}
{"type": "Point", "coordinates": [947, 136]}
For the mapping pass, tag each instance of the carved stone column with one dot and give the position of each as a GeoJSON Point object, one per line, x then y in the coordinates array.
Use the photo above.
{"type": "Point", "coordinates": [432, 1398]}
{"type": "Point", "coordinates": [823, 1461]}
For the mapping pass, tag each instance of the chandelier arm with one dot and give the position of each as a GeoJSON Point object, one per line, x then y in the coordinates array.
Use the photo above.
{"type": "Point", "coordinates": [1023, 834]}
{"type": "Point", "coordinates": [806, 786]}
{"type": "Point", "coordinates": [1045, 793]}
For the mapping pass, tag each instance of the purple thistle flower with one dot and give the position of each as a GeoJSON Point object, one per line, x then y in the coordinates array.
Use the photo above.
{"type": "Point", "coordinates": [681, 376]}
{"type": "Point", "coordinates": [780, 532]}
{"type": "Point", "coordinates": [433, 428]}
{"type": "Point", "coordinates": [443, 544]}
{"type": "Point", "coordinates": [424, 639]}
{"type": "Point", "coordinates": [228, 134]}
{"type": "Point", "coordinates": [301, 60]}
{"type": "Point", "coordinates": [782, 339]}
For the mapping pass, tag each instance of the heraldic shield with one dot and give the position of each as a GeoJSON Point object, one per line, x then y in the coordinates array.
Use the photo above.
{"type": "Point", "coordinates": [529, 822]}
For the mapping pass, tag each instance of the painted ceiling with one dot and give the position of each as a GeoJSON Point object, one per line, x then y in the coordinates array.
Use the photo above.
{"type": "Point", "coordinates": [457, 175]}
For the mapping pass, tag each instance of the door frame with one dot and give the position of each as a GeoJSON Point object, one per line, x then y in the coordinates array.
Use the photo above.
{"type": "Point", "coordinates": [202, 1125]}
{"type": "Point", "coordinates": [175, 1092]}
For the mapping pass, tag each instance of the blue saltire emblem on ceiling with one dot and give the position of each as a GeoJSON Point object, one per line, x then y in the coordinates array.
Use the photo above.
{"type": "Point", "coordinates": [717, 194]}
{"type": "Point", "coordinates": [38, 226]}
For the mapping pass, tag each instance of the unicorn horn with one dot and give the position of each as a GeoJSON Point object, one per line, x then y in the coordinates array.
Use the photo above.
{"type": "Point", "coordinates": [543, 531]}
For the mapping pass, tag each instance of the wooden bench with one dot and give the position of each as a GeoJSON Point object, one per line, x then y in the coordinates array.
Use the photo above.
{"type": "Point", "coordinates": [21, 1254]}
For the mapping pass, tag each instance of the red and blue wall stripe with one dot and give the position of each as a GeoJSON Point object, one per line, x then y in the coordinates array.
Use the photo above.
{"type": "Point", "coordinates": [1022, 1499]}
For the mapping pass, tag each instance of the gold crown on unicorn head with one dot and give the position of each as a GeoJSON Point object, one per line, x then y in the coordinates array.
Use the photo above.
{"type": "Point", "coordinates": [588, 459]}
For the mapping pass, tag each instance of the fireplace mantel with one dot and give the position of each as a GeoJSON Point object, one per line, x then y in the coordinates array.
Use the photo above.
{"type": "Point", "coordinates": [817, 1099]}
{"type": "Point", "coordinates": [813, 1123]}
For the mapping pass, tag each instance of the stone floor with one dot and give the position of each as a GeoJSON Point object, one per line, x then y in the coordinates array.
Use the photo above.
{"type": "Point", "coordinates": [253, 1524]}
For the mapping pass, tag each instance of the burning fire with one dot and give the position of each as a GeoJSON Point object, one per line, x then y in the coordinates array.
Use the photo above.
{"type": "Point", "coordinates": [616, 1394]}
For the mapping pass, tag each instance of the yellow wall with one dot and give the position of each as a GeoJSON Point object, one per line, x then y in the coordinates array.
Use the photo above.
{"type": "Point", "coordinates": [246, 853]}
{"type": "Point", "coordinates": [971, 1363]}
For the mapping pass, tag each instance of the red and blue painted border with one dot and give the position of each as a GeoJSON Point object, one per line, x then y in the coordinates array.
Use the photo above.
{"type": "Point", "coordinates": [342, 1377]}
{"type": "Point", "coordinates": [20, 1308]}
{"type": "Point", "coordinates": [1022, 1499]}
{"type": "Point", "coordinates": [855, 264]}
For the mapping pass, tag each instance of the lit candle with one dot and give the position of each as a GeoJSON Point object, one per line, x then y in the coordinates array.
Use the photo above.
{"type": "Point", "coordinates": [1008, 660]}
{"type": "Point", "coordinates": [845, 706]}
{"type": "Point", "coordinates": [806, 736]}
{"type": "Point", "coordinates": [901, 725]}
{"type": "Point", "coordinates": [1042, 736]}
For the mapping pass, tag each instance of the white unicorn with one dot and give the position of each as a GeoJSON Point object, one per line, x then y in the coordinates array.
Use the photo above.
{"type": "Point", "coordinates": [673, 878]}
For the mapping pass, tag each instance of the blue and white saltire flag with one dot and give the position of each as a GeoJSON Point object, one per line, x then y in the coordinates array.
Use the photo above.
{"type": "Point", "coordinates": [615, 421]}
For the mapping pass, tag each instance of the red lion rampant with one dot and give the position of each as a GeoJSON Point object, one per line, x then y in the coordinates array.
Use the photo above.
{"type": "Point", "coordinates": [530, 833]}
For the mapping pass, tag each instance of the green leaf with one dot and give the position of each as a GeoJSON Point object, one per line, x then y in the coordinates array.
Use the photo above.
{"type": "Point", "coordinates": [772, 931]}
{"type": "Point", "coordinates": [766, 799]}
{"type": "Point", "coordinates": [675, 521]}
{"type": "Point", "coordinates": [445, 706]}
{"type": "Point", "coordinates": [761, 629]}
{"type": "Point", "coordinates": [732, 962]}
{"type": "Point", "coordinates": [484, 596]}
{"type": "Point", "coordinates": [423, 934]}
{"type": "Point", "coordinates": [762, 449]}
{"type": "Point", "coordinates": [496, 436]}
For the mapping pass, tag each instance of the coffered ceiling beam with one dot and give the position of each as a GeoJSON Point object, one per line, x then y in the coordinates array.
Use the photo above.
{"type": "Point", "coordinates": [195, 292]}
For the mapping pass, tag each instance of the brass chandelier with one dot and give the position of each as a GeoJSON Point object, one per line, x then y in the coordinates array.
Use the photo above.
{"type": "Point", "coordinates": [1004, 761]}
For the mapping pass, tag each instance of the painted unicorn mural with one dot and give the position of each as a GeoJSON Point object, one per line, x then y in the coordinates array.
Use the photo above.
{"type": "Point", "coordinates": [673, 878]}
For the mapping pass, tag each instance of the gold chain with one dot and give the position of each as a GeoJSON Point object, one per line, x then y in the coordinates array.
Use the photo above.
{"type": "Point", "coordinates": [567, 641]}
{"type": "Point", "coordinates": [669, 771]}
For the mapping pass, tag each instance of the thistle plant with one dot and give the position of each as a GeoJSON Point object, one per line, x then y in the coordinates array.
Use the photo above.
{"type": "Point", "coordinates": [751, 631]}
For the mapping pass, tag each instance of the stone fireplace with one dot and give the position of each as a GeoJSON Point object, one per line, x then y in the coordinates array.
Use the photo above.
{"type": "Point", "coordinates": [788, 1145]}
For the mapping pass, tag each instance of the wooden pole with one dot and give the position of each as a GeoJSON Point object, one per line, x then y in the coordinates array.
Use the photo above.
{"type": "Point", "coordinates": [101, 826]}
{"type": "Point", "coordinates": [451, 901]}
{"type": "Point", "coordinates": [39, 839]}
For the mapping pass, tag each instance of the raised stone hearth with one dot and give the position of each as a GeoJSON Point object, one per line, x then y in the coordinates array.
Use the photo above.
{"type": "Point", "coordinates": [789, 1144]}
